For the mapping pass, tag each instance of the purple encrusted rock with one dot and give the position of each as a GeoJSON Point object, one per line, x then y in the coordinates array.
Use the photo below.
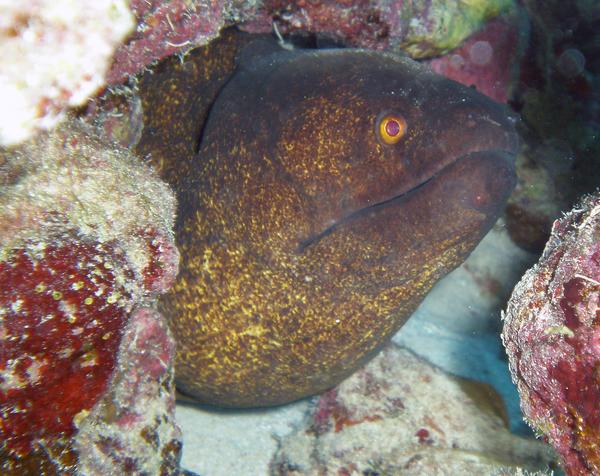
{"type": "Point", "coordinates": [132, 429]}
{"type": "Point", "coordinates": [486, 60]}
{"type": "Point", "coordinates": [165, 28]}
{"type": "Point", "coordinates": [552, 337]}
{"type": "Point", "coordinates": [422, 28]}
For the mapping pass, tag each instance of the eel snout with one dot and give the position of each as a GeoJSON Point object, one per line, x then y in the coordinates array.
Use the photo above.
{"type": "Point", "coordinates": [475, 124]}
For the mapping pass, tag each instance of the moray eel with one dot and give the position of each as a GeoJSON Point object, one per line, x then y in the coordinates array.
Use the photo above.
{"type": "Point", "coordinates": [329, 191]}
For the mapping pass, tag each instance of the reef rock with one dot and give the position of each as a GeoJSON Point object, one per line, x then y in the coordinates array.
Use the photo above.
{"type": "Point", "coordinates": [55, 54]}
{"type": "Point", "coordinates": [487, 60]}
{"type": "Point", "coordinates": [132, 430]}
{"type": "Point", "coordinates": [86, 246]}
{"type": "Point", "coordinates": [165, 28]}
{"type": "Point", "coordinates": [401, 415]}
{"type": "Point", "coordinates": [551, 333]}
{"type": "Point", "coordinates": [422, 28]}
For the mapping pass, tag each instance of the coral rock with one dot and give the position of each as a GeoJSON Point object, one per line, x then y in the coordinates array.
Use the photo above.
{"type": "Point", "coordinates": [401, 415]}
{"type": "Point", "coordinates": [62, 305]}
{"type": "Point", "coordinates": [551, 334]}
{"type": "Point", "coordinates": [165, 28]}
{"type": "Point", "coordinates": [132, 429]}
{"type": "Point", "coordinates": [55, 54]}
{"type": "Point", "coordinates": [86, 245]}
{"type": "Point", "coordinates": [421, 28]}
{"type": "Point", "coordinates": [485, 60]}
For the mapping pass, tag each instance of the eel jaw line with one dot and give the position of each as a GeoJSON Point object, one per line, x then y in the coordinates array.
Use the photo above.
{"type": "Point", "coordinates": [312, 240]}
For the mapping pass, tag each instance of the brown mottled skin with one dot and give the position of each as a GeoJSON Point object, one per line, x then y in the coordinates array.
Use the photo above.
{"type": "Point", "coordinates": [306, 241]}
{"type": "Point", "coordinates": [176, 96]}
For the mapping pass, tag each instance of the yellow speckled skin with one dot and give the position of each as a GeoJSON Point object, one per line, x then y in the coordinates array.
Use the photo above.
{"type": "Point", "coordinates": [176, 96]}
{"type": "Point", "coordinates": [306, 241]}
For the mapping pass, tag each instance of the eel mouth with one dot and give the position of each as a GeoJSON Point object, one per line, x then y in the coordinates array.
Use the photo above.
{"type": "Point", "coordinates": [502, 167]}
{"type": "Point", "coordinates": [356, 214]}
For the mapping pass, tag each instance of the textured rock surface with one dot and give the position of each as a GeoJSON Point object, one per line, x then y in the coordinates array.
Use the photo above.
{"type": "Point", "coordinates": [400, 415]}
{"type": "Point", "coordinates": [132, 429]}
{"type": "Point", "coordinates": [488, 59]}
{"type": "Point", "coordinates": [55, 54]}
{"type": "Point", "coordinates": [551, 334]}
{"type": "Point", "coordinates": [85, 243]}
{"type": "Point", "coordinates": [168, 27]}
{"type": "Point", "coordinates": [422, 28]}
{"type": "Point", "coordinates": [63, 307]}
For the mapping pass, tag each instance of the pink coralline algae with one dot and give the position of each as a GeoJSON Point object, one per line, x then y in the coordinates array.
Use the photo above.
{"type": "Point", "coordinates": [552, 337]}
{"type": "Point", "coordinates": [358, 23]}
{"type": "Point", "coordinates": [85, 247]}
{"type": "Point", "coordinates": [486, 60]}
{"type": "Point", "coordinates": [422, 28]}
{"type": "Point", "coordinates": [165, 28]}
{"type": "Point", "coordinates": [131, 430]}
{"type": "Point", "coordinates": [401, 415]}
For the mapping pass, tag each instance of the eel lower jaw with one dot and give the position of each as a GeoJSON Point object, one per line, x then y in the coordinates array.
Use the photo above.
{"type": "Point", "coordinates": [506, 181]}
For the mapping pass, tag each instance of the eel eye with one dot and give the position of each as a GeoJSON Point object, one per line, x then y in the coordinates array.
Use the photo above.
{"type": "Point", "coordinates": [391, 128]}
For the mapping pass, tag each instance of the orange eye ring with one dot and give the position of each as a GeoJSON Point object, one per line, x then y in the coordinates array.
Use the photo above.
{"type": "Point", "coordinates": [392, 128]}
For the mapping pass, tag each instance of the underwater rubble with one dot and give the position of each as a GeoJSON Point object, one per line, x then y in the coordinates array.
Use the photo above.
{"type": "Point", "coordinates": [85, 364]}
{"type": "Point", "coordinates": [401, 415]}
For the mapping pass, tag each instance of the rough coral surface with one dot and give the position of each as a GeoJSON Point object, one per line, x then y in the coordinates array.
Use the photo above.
{"type": "Point", "coordinates": [62, 305]}
{"type": "Point", "coordinates": [486, 60]}
{"type": "Point", "coordinates": [55, 54]}
{"type": "Point", "coordinates": [85, 246]}
{"type": "Point", "coordinates": [132, 429]}
{"type": "Point", "coordinates": [165, 28]}
{"type": "Point", "coordinates": [552, 337]}
{"type": "Point", "coordinates": [422, 28]}
{"type": "Point", "coordinates": [400, 415]}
